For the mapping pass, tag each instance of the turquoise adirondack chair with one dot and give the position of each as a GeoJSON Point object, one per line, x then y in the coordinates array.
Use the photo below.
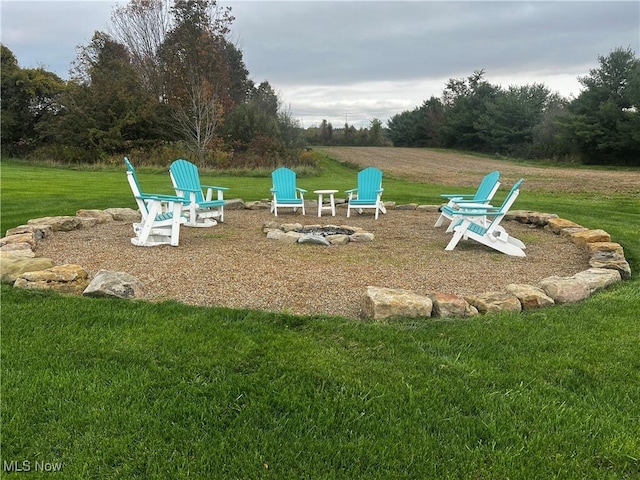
{"type": "Point", "coordinates": [161, 215]}
{"type": "Point", "coordinates": [493, 235]}
{"type": "Point", "coordinates": [485, 192]}
{"type": "Point", "coordinates": [285, 192]}
{"type": "Point", "coordinates": [202, 210]}
{"type": "Point", "coordinates": [368, 194]}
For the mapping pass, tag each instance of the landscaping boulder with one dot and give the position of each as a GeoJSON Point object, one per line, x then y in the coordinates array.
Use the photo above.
{"type": "Point", "coordinates": [541, 219]}
{"type": "Point", "coordinates": [590, 236]}
{"type": "Point", "coordinates": [100, 215]}
{"type": "Point", "coordinates": [271, 225]}
{"type": "Point", "coordinates": [598, 278]}
{"type": "Point", "coordinates": [450, 305]}
{"type": "Point", "coordinates": [39, 231]}
{"type": "Point", "coordinates": [69, 278]}
{"type": "Point", "coordinates": [520, 216]}
{"type": "Point", "coordinates": [107, 283]}
{"type": "Point", "coordinates": [556, 225]}
{"type": "Point", "coordinates": [16, 250]}
{"type": "Point", "coordinates": [61, 223]}
{"type": "Point", "coordinates": [13, 266]}
{"type": "Point", "coordinates": [26, 237]}
{"type": "Point", "coordinates": [605, 247]}
{"type": "Point", "coordinates": [361, 237]}
{"type": "Point", "coordinates": [564, 289]}
{"type": "Point", "coordinates": [314, 240]}
{"type": "Point", "coordinates": [88, 222]}
{"type": "Point", "coordinates": [494, 302]}
{"type": "Point", "coordinates": [613, 261]}
{"type": "Point", "coordinates": [234, 204]}
{"type": "Point", "coordinates": [338, 239]}
{"type": "Point", "coordinates": [383, 303]}
{"type": "Point", "coordinates": [530, 297]}
{"type": "Point", "coordinates": [258, 205]}
{"type": "Point", "coordinates": [124, 214]}
{"type": "Point", "coordinates": [291, 227]}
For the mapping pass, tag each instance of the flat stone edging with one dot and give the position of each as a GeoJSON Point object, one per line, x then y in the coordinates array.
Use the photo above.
{"type": "Point", "coordinates": [20, 267]}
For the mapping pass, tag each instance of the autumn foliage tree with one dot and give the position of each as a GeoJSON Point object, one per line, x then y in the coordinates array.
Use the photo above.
{"type": "Point", "coordinates": [183, 54]}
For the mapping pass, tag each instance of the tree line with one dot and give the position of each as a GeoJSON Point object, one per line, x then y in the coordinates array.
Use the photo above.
{"type": "Point", "coordinates": [600, 126]}
{"type": "Point", "coordinates": [375, 135]}
{"type": "Point", "coordinates": [167, 82]}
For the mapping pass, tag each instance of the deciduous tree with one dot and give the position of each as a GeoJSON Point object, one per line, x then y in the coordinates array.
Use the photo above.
{"type": "Point", "coordinates": [30, 97]}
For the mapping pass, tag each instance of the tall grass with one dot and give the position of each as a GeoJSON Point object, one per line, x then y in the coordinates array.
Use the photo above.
{"type": "Point", "coordinates": [129, 389]}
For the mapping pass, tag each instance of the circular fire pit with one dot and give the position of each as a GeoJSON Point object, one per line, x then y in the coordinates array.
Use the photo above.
{"type": "Point", "coordinates": [316, 234]}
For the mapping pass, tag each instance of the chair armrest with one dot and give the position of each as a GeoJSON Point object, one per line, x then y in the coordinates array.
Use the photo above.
{"type": "Point", "coordinates": [475, 206]}
{"type": "Point", "coordinates": [162, 198]}
{"type": "Point", "coordinates": [479, 212]}
{"type": "Point", "coordinates": [301, 190]}
{"type": "Point", "coordinates": [453, 196]}
{"type": "Point", "coordinates": [211, 188]}
{"type": "Point", "coordinates": [352, 190]}
{"type": "Point", "coordinates": [159, 196]}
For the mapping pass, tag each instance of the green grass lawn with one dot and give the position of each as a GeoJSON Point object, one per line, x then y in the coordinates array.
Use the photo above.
{"type": "Point", "coordinates": [129, 389]}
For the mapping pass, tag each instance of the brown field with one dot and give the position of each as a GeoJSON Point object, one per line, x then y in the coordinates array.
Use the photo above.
{"type": "Point", "coordinates": [447, 168]}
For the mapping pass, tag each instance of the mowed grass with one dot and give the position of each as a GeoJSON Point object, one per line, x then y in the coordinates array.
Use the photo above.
{"type": "Point", "coordinates": [129, 389]}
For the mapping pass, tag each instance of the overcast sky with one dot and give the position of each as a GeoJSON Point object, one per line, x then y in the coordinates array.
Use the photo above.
{"type": "Point", "coordinates": [352, 61]}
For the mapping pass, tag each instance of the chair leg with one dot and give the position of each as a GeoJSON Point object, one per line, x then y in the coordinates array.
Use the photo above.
{"type": "Point", "coordinates": [175, 225]}
{"type": "Point", "coordinates": [145, 232]}
{"type": "Point", "coordinates": [459, 232]}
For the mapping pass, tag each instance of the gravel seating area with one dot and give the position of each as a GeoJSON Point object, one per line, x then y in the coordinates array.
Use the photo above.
{"type": "Point", "coordinates": [234, 265]}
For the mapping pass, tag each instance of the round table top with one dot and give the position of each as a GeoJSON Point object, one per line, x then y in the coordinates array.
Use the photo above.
{"type": "Point", "coordinates": [325, 191]}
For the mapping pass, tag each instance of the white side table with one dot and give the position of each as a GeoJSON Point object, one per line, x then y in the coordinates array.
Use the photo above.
{"type": "Point", "coordinates": [332, 202]}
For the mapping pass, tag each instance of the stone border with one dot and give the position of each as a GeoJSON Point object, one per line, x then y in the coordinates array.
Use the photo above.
{"type": "Point", "coordinates": [607, 261]}
{"type": "Point", "coordinates": [608, 265]}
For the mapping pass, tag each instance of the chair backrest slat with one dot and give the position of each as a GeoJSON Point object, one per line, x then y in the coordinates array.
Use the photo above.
{"type": "Point", "coordinates": [186, 176]}
{"type": "Point", "coordinates": [132, 178]}
{"type": "Point", "coordinates": [284, 182]}
{"type": "Point", "coordinates": [488, 186]}
{"type": "Point", "coordinates": [369, 182]}
{"type": "Point", "coordinates": [506, 204]}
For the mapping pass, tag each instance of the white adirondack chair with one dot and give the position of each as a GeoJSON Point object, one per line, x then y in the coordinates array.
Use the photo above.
{"type": "Point", "coordinates": [368, 194]}
{"type": "Point", "coordinates": [285, 191]}
{"type": "Point", "coordinates": [468, 224]}
{"type": "Point", "coordinates": [202, 210]}
{"type": "Point", "coordinates": [161, 215]}
{"type": "Point", "coordinates": [485, 192]}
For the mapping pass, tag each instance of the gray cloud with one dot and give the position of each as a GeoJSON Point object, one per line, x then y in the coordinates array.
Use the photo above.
{"type": "Point", "coordinates": [356, 41]}
{"type": "Point", "coordinates": [358, 60]}
{"type": "Point", "coordinates": [47, 33]}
